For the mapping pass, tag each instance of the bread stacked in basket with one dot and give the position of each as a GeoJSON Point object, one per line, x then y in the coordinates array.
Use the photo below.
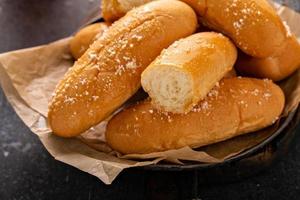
{"type": "Point", "coordinates": [195, 97]}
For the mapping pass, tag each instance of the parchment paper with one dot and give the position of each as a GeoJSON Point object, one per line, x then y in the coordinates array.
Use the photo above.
{"type": "Point", "coordinates": [28, 78]}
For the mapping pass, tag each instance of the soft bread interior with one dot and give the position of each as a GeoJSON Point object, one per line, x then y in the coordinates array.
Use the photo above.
{"type": "Point", "coordinates": [169, 88]}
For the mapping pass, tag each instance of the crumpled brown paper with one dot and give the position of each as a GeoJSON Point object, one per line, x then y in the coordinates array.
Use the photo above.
{"type": "Point", "coordinates": [29, 76]}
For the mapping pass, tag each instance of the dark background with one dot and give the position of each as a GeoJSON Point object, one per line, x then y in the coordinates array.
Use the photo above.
{"type": "Point", "coordinates": [27, 171]}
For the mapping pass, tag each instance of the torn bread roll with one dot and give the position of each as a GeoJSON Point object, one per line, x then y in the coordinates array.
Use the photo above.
{"type": "Point", "coordinates": [236, 107]}
{"type": "Point", "coordinates": [85, 37]}
{"type": "Point", "coordinates": [109, 72]}
{"type": "Point", "coordinates": [115, 9]}
{"type": "Point", "coordinates": [276, 67]}
{"type": "Point", "coordinates": [253, 25]}
{"type": "Point", "coordinates": [186, 71]}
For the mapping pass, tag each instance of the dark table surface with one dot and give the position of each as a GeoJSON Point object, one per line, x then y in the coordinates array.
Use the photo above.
{"type": "Point", "coordinates": [27, 171]}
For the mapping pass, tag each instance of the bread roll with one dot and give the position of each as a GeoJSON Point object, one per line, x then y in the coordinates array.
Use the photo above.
{"type": "Point", "coordinates": [109, 72]}
{"type": "Point", "coordinates": [185, 72]}
{"type": "Point", "coordinates": [115, 9]}
{"type": "Point", "coordinates": [253, 25]}
{"type": "Point", "coordinates": [85, 37]}
{"type": "Point", "coordinates": [275, 67]}
{"type": "Point", "coordinates": [237, 106]}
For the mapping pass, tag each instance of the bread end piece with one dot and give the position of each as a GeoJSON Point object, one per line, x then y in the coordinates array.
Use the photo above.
{"type": "Point", "coordinates": [172, 89]}
{"type": "Point", "coordinates": [186, 71]}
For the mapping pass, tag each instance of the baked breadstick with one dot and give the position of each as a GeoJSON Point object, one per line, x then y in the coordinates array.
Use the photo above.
{"type": "Point", "coordinates": [236, 107]}
{"type": "Point", "coordinates": [109, 72]}
{"type": "Point", "coordinates": [275, 67]}
{"type": "Point", "coordinates": [185, 72]}
{"type": "Point", "coordinates": [85, 37]}
{"type": "Point", "coordinates": [115, 9]}
{"type": "Point", "coordinates": [253, 25]}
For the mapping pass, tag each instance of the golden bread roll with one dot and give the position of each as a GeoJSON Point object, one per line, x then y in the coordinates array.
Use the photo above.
{"type": "Point", "coordinates": [185, 72]}
{"type": "Point", "coordinates": [237, 106]}
{"type": "Point", "coordinates": [253, 25]}
{"type": "Point", "coordinates": [275, 67]}
{"type": "Point", "coordinates": [115, 9]}
{"type": "Point", "coordinates": [109, 72]}
{"type": "Point", "coordinates": [85, 37]}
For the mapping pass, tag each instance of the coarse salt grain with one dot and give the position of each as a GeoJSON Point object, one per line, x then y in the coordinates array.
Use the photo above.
{"type": "Point", "coordinates": [267, 95]}
{"type": "Point", "coordinates": [120, 70]}
{"type": "Point", "coordinates": [92, 55]}
{"type": "Point", "coordinates": [131, 65]}
{"type": "Point", "coordinates": [204, 105]}
{"type": "Point", "coordinates": [69, 100]}
{"type": "Point", "coordinates": [95, 98]}
{"type": "Point", "coordinates": [83, 81]}
{"type": "Point", "coordinates": [137, 37]}
{"type": "Point", "coordinates": [255, 92]}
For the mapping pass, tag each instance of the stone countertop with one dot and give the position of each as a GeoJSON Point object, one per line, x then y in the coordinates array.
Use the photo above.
{"type": "Point", "coordinates": [27, 171]}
